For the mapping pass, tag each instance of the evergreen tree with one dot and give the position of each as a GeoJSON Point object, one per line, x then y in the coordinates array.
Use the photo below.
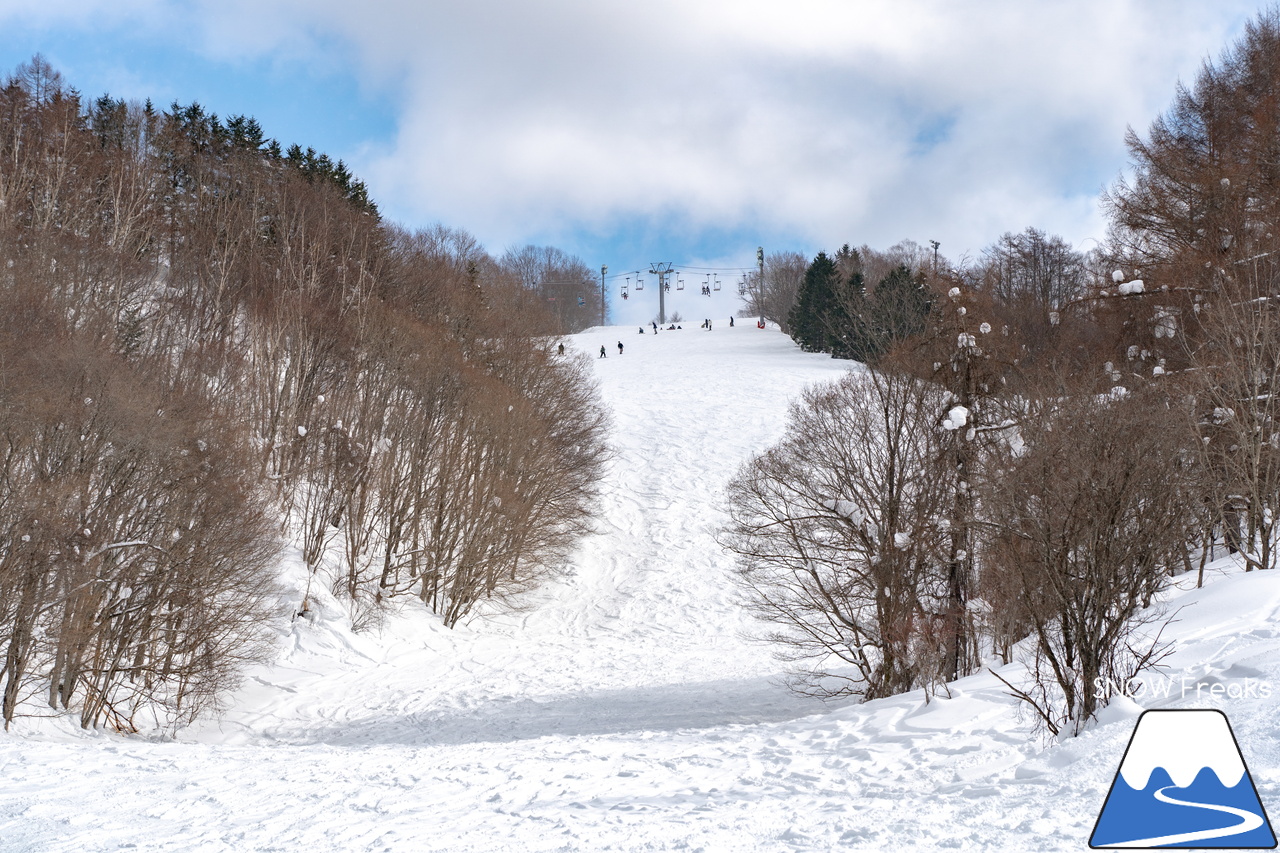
{"type": "Point", "coordinates": [834, 313]}
{"type": "Point", "coordinates": [899, 308]}
{"type": "Point", "coordinates": [847, 327]}
{"type": "Point", "coordinates": [808, 319]}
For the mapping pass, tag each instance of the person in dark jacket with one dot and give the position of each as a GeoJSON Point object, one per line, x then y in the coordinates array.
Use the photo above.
{"type": "Point", "coordinates": [603, 354]}
{"type": "Point", "coordinates": [619, 347]}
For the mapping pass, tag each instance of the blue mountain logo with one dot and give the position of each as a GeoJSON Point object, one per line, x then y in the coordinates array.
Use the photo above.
{"type": "Point", "coordinates": [1183, 783]}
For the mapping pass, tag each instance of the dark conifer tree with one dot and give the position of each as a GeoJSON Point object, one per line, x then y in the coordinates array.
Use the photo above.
{"type": "Point", "coordinates": [847, 327]}
{"type": "Point", "coordinates": [808, 318]}
{"type": "Point", "coordinates": [899, 309]}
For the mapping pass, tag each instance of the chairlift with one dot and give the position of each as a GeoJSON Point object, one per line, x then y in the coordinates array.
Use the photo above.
{"type": "Point", "coordinates": [679, 284]}
{"type": "Point", "coordinates": [639, 283]}
{"type": "Point", "coordinates": [716, 284]}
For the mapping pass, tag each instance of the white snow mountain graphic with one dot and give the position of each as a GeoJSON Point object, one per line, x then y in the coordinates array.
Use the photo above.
{"type": "Point", "coordinates": [1183, 783]}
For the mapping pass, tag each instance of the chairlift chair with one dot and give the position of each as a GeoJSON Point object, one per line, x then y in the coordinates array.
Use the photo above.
{"type": "Point", "coordinates": [716, 284]}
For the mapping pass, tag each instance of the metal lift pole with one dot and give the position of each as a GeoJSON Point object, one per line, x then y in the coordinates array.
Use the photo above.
{"type": "Point", "coordinates": [661, 269]}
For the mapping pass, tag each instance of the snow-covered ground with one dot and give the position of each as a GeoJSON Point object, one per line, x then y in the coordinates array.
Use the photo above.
{"type": "Point", "coordinates": [626, 709]}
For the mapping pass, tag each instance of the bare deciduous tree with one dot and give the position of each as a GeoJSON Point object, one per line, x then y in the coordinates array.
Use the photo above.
{"type": "Point", "coordinates": [773, 296]}
{"type": "Point", "coordinates": [1083, 515]}
{"type": "Point", "coordinates": [839, 535]}
{"type": "Point", "coordinates": [135, 548]}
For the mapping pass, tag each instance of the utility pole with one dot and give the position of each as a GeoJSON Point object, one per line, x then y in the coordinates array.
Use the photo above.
{"type": "Point", "coordinates": [604, 269]}
{"type": "Point", "coordinates": [661, 270]}
{"type": "Point", "coordinates": [935, 245]}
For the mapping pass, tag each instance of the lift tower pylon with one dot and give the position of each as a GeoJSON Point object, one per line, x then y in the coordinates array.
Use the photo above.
{"type": "Point", "coordinates": [661, 270]}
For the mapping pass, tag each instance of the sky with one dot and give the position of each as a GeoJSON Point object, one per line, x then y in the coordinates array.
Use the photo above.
{"type": "Point", "coordinates": [682, 131]}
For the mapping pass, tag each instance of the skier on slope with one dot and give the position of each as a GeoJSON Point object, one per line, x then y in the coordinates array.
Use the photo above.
{"type": "Point", "coordinates": [619, 347]}
{"type": "Point", "coordinates": [603, 354]}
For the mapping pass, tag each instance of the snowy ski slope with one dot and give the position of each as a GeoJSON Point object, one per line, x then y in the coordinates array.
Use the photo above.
{"type": "Point", "coordinates": [626, 709]}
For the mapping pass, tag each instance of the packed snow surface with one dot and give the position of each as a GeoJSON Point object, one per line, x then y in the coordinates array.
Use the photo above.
{"type": "Point", "coordinates": [626, 708]}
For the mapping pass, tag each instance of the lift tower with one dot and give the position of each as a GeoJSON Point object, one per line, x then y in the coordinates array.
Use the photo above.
{"type": "Point", "coordinates": [661, 270]}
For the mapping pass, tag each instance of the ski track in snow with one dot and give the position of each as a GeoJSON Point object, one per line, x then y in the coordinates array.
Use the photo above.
{"type": "Point", "coordinates": [625, 708]}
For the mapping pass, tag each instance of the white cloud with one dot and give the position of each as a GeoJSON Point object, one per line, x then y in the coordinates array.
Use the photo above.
{"type": "Point", "coordinates": [805, 118]}
{"type": "Point", "coordinates": [869, 122]}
